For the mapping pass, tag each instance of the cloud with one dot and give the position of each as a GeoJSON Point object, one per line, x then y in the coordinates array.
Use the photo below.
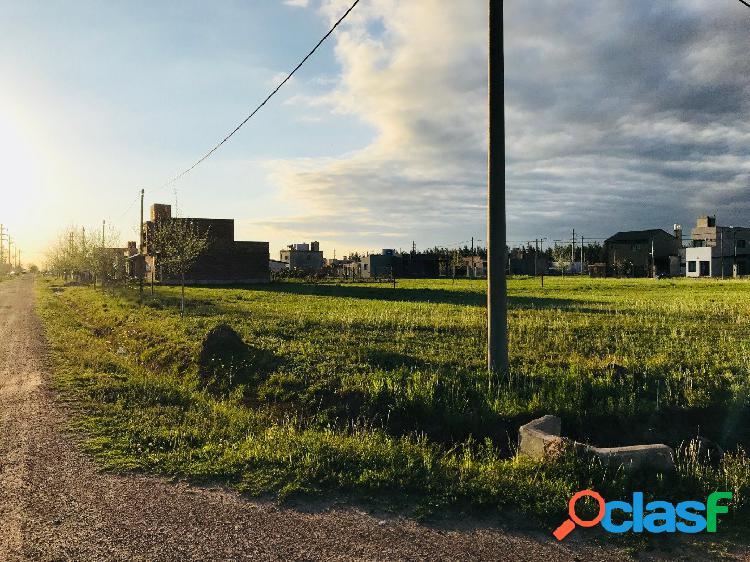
{"type": "Point", "coordinates": [626, 115]}
{"type": "Point", "coordinates": [297, 3]}
{"type": "Point", "coordinates": [416, 72]}
{"type": "Point", "coordinates": [619, 115]}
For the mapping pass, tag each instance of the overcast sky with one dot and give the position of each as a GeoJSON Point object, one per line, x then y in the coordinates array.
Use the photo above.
{"type": "Point", "coordinates": [619, 115]}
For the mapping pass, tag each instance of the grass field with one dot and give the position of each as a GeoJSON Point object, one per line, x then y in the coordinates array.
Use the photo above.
{"type": "Point", "coordinates": [382, 392]}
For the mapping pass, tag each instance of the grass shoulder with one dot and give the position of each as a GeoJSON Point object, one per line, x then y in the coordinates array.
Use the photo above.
{"type": "Point", "coordinates": [379, 393]}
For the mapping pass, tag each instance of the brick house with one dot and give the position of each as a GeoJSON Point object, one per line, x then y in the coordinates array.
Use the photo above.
{"type": "Point", "coordinates": [225, 261]}
{"type": "Point", "coordinates": [643, 253]}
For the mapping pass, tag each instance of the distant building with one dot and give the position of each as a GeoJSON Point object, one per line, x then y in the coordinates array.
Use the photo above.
{"type": "Point", "coordinates": [351, 269]}
{"type": "Point", "coordinates": [225, 261]}
{"type": "Point", "coordinates": [643, 253]}
{"type": "Point", "coordinates": [717, 251]}
{"type": "Point", "coordinates": [476, 266]}
{"type": "Point", "coordinates": [277, 265]}
{"type": "Point", "coordinates": [526, 261]}
{"type": "Point", "coordinates": [597, 269]}
{"type": "Point", "coordinates": [390, 263]}
{"type": "Point", "coordinates": [385, 264]}
{"type": "Point", "coordinates": [303, 256]}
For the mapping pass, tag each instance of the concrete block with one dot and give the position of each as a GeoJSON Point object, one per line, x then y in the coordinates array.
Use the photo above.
{"type": "Point", "coordinates": [656, 457]}
{"type": "Point", "coordinates": [539, 437]}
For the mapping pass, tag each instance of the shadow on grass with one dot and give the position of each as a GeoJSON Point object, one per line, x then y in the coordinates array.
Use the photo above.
{"type": "Point", "coordinates": [366, 292]}
{"type": "Point", "coordinates": [402, 294]}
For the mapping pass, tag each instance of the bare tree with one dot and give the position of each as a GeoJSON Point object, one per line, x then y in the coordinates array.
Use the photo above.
{"type": "Point", "coordinates": [80, 257]}
{"type": "Point", "coordinates": [561, 256]}
{"type": "Point", "coordinates": [177, 244]}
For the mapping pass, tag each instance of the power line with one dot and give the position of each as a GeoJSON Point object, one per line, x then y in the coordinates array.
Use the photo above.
{"type": "Point", "coordinates": [284, 81]}
{"type": "Point", "coordinates": [745, 3]}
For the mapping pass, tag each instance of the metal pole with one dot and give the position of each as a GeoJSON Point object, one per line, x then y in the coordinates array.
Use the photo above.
{"type": "Point", "coordinates": [497, 312]}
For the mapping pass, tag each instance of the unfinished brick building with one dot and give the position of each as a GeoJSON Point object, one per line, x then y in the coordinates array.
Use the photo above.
{"type": "Point", "coordinates": [226, 261]}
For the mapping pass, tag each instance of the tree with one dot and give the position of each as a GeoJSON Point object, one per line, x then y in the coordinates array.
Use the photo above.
{"type": "Point", "coordinates": [80, 257]}
{"type": "Point", "coordinates": [107, 261]}
{"type": "Point", "coordinates": [177, 244]}
{"type": "Point", "coordinates": [561, 256]}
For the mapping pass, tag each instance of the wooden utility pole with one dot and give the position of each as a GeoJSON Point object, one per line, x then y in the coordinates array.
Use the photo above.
{"type": "Point", "coordinates": [2, 238]}
{"type": "Point", "coordinates": [497, 311]}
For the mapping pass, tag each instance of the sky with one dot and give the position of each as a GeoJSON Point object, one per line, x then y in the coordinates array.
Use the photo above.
{"type": "Point", "coordinates": [619, 116]}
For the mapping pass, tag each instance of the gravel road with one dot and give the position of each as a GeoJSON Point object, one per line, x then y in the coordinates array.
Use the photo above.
{"type": "Point", "coordinates": [56, 505]}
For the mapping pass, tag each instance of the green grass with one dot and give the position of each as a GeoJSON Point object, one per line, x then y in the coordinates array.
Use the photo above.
{"type": "Point", "coordinates": [382, 392]}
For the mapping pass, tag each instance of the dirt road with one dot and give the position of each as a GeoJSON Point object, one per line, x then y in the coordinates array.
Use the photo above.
{"type": "Point", "coordinates": [56, 505]}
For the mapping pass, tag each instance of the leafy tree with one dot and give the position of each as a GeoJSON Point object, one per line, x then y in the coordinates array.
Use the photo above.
{"type": "Point", "coordinates": [177, 244]}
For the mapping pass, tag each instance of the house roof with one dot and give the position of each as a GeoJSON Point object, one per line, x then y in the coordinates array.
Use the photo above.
{"type": "Point", "coordinates": [637, 235]}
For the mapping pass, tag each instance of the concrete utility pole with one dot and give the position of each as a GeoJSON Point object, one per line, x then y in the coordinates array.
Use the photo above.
{"type": "Point", "coordinates": [140, 251]}
{"type": "Point", "coordinates": [497, 307]}
{"type": "Point", "coordinates": [653, 259]}
{"type": "Point", "coordinates": [721, 249]}
{"type": "Point", "coordinates": [581, 255]}
{"type": "Point", "coordinates": [573, 252]}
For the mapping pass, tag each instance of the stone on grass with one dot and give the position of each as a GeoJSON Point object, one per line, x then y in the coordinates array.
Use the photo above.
{"type": "Point", "coordinates": [540, 439]}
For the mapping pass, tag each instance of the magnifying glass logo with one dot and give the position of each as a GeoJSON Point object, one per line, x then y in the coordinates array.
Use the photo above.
{"type": "Point", "coordinates": [569, 524]}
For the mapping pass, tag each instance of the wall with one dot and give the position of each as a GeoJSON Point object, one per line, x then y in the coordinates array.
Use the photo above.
{"type": "Point", "coordinates": [303, 259]}
{"type": "Point", "coordinates": [696, 256]}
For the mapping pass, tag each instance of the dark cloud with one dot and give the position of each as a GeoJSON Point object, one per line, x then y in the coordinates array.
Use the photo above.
{"type": "Point", "coordinates": [619, 115]}
{"type": "Point", "coordinates": [638, 108]}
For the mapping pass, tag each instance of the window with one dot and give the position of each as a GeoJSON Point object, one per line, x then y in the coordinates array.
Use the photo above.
{"type": "Point", "coordinates": [741, 243]}
{"type": "Point", "coordinates": [636, 247]}
{"type": "Point", "coordinates": [365, 267]}
{"type": "Point", "coordinates": [692, 267]}
{"type": "Point", "coordinates": [705, 268]}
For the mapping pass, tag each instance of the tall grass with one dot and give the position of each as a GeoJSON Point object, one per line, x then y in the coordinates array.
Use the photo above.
{"type": "Point", "coordinates": [383, 392]}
